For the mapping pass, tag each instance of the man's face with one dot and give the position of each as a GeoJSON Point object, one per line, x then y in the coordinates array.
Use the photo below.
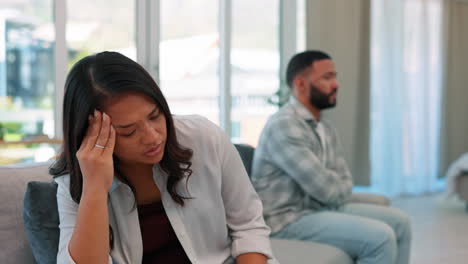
{"type": "Point", "coordinates": [320, 99]}
{"type": "Point", "coordinates": [322, 84]}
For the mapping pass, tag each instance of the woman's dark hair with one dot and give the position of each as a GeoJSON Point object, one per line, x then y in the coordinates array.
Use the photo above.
{"type": "Point", "coordinates": [302, 61]}
{"type": "Point", "coordinates": [90, 83]}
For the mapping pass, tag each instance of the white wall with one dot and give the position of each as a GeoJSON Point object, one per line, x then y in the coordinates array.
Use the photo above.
{"type": "Point", "coordinates": [455, 118]}
{"type": "Point", "coordinates": [341, 28]}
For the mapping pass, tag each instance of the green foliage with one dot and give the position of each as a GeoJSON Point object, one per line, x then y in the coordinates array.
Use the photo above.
{"type": "Point", "coordinates": [11, 127]}
{"type": "Point", "coordinates": [280, 97]}
{"type": "Point", "coordinates": [11, 131]}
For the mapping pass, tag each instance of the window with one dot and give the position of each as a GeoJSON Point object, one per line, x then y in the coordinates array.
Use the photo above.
{"type": "Point", "coordinates": [26, 80]}
{"type": "Point", "coordinates": [189, 52]}
{"type": "Point", "coordinates": [218, 59]}
{"type": "Point", "coordinates": [95, 25]}
{"type": "Point", "coordinates": [254, 65]}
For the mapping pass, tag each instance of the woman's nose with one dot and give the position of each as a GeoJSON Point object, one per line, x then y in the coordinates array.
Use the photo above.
{"type": "Point", "coordinates": [150, 135]}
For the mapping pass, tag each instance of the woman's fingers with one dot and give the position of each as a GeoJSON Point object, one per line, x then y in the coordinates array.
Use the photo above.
{"type": "Point", "coordinates": [97, 167]}
{"type": "Point", "coordinates": [110, 143]}
{"type": "Point", "coordinates": [100, 136]}
{"type": "Point", "coordinates": [104, 133]}
{"type": "Point", "coordinates": [94, 131]}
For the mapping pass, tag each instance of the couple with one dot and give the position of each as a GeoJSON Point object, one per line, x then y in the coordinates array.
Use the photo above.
{"type": "Point", "coordinates": [138, 185]}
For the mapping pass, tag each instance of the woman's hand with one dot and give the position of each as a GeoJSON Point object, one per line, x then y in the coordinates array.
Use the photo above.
{"type": "Point", "coordinates": [251, 258]}
{"type": "Point", "coordinates": [95, 154]}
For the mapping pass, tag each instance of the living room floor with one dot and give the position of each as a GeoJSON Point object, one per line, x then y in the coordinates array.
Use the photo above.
{"type": "Point", "coordinates": [440, 229]}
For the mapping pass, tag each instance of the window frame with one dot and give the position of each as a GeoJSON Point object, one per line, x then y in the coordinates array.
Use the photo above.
{"type": "Point", "coordinates": [148, 29]}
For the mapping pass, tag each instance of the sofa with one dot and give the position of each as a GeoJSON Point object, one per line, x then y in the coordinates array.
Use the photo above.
{"type": "Point", "coordinates": [461, 188]}
{"type": "Point", "coordinates": [457, 179]}
{"type": "Point", "coordinates": [27, 192]}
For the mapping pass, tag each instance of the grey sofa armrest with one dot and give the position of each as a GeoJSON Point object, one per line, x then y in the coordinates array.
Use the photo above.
{"type": "Point", "coordinates": [369, 198]}
{"type": "Point", "coordinates": [462, 186]}
{"type": "Point", "coordinates": [300, 252]}
{"type": "Point", "coordinates": [15, 248]}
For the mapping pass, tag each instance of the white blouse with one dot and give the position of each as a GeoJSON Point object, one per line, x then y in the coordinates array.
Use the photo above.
{"type": "Point", "coordinates": [223, 220]}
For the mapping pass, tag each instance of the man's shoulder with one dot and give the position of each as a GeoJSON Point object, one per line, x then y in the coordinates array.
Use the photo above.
{"type": "Point", "coordinates": [285, 116]}
{"type": "Point", "coordinates": [283, 124]}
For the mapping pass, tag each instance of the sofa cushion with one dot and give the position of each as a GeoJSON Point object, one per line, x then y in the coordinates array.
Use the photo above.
{"type": "Point", "coordinates": [462, 186]}
{"type": "Point", "coordinates": [246, 153]}
{"type": "Point", "coordinates": [298, 252]}
{"type": "Point", "coordinates": [41, 220]}
{"type": "Point", "coordinates": [15, 248]}
{"type": "Point", "coordinates": [369, 198]}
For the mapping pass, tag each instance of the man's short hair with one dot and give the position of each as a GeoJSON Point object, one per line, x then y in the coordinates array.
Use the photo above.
{"type": "Point", "coordinates": [301, 61]}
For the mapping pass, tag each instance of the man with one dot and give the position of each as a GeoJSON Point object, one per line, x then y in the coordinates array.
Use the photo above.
{"type": "Point", "coordinates": [304, 181]}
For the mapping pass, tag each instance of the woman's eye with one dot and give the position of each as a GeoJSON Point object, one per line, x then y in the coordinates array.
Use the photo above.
{"type": "Point", "coordinates": [154, 117]}
{"type": "Point", "coordinates": [129, 134]}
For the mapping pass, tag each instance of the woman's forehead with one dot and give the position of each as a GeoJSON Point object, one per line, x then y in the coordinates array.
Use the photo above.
{"type": "Point", "coordinates": [129, 106]}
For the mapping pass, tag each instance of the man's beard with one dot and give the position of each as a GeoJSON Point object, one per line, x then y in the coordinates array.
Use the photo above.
{"type": "Point", "coordinates": [319, 99]}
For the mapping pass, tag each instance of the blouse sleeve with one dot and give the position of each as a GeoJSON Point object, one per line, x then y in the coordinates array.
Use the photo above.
{"type": "Point", "coordinates": [244, 211]}
{"type": "Point", "coordinates": [68, 211]}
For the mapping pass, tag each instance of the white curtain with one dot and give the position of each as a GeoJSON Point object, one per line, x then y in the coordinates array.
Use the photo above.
{"type": "Point", "coordinates": [406, 87]}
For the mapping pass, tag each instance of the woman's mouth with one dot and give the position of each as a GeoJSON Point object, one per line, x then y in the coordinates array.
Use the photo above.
{"type": "Point", "coordinates": [154, 151]}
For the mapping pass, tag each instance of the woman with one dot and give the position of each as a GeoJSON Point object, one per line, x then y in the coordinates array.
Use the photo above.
{"type": "Point", "coordinates": [137, 185]}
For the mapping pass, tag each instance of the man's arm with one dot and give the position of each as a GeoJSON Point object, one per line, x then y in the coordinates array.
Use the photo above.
{"type": "Point", "coordinates": [291, 151]}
